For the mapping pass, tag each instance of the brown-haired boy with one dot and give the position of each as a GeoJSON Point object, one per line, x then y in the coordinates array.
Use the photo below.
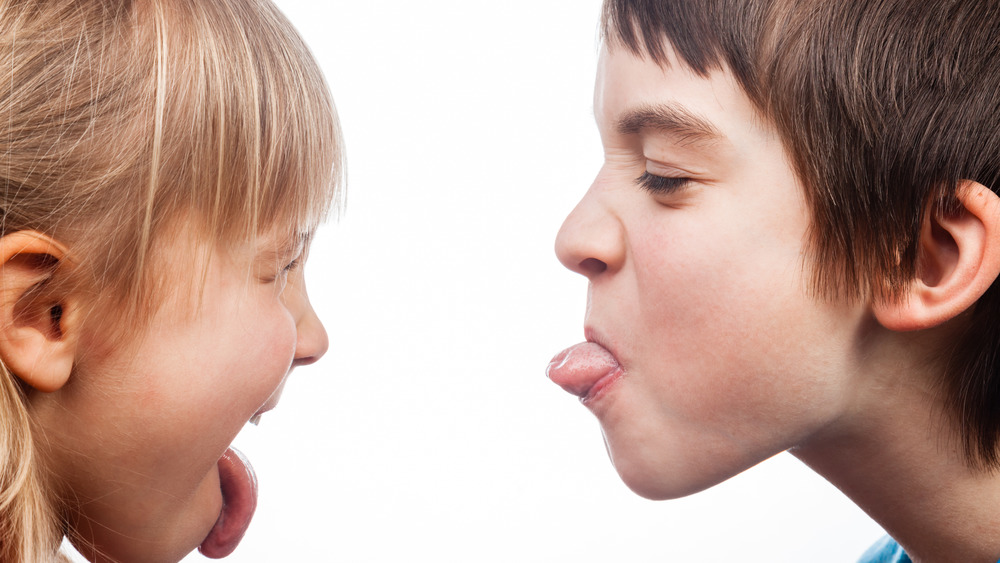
{"type": "Point", "coordinates": [793, 244]}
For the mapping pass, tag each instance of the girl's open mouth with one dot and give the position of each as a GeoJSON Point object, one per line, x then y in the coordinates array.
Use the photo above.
{"type": "Point", "coordinates": [239, 501]}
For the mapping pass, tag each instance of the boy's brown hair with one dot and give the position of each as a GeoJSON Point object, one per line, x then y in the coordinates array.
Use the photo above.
{"type": "Point", "coordinates": [885, 107]}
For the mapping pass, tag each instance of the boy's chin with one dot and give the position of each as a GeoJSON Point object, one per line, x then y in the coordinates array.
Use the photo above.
{"type": "Point", "coordinates": [658, 479]}
{"type": "Point", "coordinates": [656, 487]}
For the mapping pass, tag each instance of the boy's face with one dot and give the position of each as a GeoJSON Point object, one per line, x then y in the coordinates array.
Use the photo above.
{"type": "Point", "coordinates": [720, 357]}
{"type": "Point", "coordinates": [139, 430]}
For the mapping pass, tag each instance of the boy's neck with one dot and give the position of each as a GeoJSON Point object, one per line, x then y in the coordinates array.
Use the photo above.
{"type": "Point", "coordinates": [901, 459]}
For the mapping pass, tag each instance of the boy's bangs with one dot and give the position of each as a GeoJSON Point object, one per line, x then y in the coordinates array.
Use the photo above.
{"type": "Point", "coordinates": [704, 34]}
{"type": "Point", "coordinates": [249, 131]}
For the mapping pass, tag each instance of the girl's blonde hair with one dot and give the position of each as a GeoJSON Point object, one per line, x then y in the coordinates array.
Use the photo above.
{"type": "Point", "coordinates": [119, 118]}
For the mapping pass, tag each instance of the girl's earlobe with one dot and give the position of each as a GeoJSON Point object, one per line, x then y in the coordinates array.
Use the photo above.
{"type": "Point", "coordinates": [38, 333]}
{"type": "Point", "coordinates": [958, 259]}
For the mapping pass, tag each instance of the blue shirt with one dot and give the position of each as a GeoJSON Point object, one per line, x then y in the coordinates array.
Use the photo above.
{"type": "Point", "coordinates": [886, 550]}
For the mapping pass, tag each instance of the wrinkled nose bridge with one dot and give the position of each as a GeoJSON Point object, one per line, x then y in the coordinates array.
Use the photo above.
{"type": "Point", "coordinates": [591, 240]}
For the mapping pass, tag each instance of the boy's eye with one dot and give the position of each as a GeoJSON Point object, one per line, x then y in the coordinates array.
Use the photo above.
{"type": "Point", "coordinates": [660, 185]}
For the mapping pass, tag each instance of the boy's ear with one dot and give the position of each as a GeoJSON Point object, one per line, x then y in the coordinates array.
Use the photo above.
{"type": "Point", "coordinates": [38, 330]}
{"type": "Point", "coordinates": [958, 258]}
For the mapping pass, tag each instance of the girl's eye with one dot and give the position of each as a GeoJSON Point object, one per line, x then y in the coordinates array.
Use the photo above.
{"type": "Point", "coordinates": [660, 185]}
{"type": "Point", "coordinates": [282, 274]}
{"type": "Point", "coordinates": [291, 266]}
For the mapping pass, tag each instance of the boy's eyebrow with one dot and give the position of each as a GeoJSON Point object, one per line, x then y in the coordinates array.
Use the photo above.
{"type": "Point", "coordinates": [669, 118]}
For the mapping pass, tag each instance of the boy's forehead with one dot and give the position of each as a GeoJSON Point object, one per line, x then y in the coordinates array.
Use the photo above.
{"type": "Point", "coordinates": [634, 93]}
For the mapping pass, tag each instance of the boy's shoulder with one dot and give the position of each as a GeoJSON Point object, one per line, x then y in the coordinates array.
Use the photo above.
{"type": "Point", "coordinates": [885, 550]}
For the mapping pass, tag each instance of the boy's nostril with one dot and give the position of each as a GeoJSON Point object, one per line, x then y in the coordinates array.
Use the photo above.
{"type": "Point", "coordinates": [592, 267]}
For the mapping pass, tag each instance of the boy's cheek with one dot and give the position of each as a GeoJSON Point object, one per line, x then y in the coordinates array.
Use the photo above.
{"type": "Point", "coordinates": [713, 385]}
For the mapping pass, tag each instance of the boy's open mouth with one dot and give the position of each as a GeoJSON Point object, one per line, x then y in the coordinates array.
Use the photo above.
{"type": "Point", "coordinates": [584, 370]}
{"type": "Point", "coordinates": [239, 501]}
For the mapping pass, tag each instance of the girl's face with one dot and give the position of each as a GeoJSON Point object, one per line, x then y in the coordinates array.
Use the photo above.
{"type": "Point", "coordinates": [138, 432]}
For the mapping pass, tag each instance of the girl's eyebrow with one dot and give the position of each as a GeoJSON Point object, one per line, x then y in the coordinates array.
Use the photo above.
{"type": "Point", "coordinates": [304, 238]}
{"type": "Point", "coordinates": [672, 119]}
{"type": "Point", "coordinates": [290, 245]}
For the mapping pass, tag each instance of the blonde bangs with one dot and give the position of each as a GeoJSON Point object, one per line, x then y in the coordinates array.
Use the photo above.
{"type": "Point", "coordinates": [120, 118]}
{"type": "Point", "coordinates": [248, 132]}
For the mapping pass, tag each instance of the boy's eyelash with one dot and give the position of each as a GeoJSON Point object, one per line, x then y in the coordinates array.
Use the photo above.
{"type": "Point", "coordinates": [660, 185]}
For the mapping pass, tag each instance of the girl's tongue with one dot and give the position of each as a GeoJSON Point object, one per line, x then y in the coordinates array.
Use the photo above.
{"type": "Point", "coordinates": [239, 500]}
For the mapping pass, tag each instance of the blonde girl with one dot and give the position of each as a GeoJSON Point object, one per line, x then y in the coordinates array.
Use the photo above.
{"type": "Point", "coordinates": [163, 164]}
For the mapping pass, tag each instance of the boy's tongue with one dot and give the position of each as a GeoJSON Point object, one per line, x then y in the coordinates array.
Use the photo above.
{"type": "Point", "coordinates": [578, 368]}
{"type": "Point", "coordinates": [239, 500]}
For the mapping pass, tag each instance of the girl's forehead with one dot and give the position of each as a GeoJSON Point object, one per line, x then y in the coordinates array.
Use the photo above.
{"type": "Point", "coordinates": [284, 242]}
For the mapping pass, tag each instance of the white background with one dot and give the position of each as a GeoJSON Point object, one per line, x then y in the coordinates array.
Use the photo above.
{"type": "Point", "coordinates": [429, 432]}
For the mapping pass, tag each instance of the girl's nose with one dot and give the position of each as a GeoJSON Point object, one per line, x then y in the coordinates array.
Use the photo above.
{"type": "Point", "coordinates": [312, 341]}
{"type": "Point", "coordinates": [591, 240]}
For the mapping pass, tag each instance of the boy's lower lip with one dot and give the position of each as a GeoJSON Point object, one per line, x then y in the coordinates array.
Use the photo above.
{"type": "Point", "coordinates": [602, 384]}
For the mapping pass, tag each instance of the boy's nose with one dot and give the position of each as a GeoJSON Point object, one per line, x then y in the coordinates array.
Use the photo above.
{"type": "Point", "coordinates": [312, 341]}
{"type": "Point", "coordinates": [591, 241]}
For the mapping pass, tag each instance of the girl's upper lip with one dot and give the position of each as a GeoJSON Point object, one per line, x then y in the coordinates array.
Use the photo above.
{"type": "Point", "coordinates": [271, 402]}
{"type": "Point", "coordinates": [269, 405]}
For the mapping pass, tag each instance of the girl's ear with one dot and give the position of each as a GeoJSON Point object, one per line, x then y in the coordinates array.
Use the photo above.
{"type": "Point", "coordinates": [958, 258]}
{"type": "Point", "coordinates": [38, 330]}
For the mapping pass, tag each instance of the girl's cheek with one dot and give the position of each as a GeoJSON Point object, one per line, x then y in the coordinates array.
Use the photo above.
{"type": "Point", "coordinates": [278, 348]}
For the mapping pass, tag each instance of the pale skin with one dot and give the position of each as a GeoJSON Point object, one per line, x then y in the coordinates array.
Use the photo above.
{"type": "Point", "coordinates": [135, 427]}
{"type": "Point", "coordinates": [700, 285]}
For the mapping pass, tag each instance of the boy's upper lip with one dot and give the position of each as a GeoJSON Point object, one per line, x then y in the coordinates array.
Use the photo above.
{"type": "Point", "coordinates": [592, 334]}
